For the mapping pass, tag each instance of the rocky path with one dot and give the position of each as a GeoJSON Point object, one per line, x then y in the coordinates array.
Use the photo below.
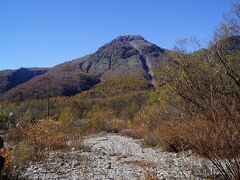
{"type": "Point", "coordinates": [116, 157]}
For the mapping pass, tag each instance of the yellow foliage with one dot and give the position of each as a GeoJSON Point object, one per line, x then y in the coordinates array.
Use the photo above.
{"type": "Point", "coordinates": [115, 87]}
{"type": "Point", "coordinates": [101, 119]}
{"type": "Point", "coordinates": [66, 117]}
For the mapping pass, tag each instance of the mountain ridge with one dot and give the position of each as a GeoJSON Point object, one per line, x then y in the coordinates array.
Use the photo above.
{"type": "Point", "coordinates": [12, 78]}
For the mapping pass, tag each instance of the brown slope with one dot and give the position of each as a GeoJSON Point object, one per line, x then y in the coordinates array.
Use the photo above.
{"type": "Point", "coordinates": [50, 85]}
{"type": "Point", "coordinates": [12, 78]}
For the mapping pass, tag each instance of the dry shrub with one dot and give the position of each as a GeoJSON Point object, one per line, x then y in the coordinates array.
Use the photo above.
{"type": "Point", "coordinates": [130, 133]}
{"type": "Point", "coordinates": [14, 135]}
{"type": "Point", "coordinates": [118, 124]}
{"type": "Point", "coordinates": [213, 135]}
{"type": "Point", "coordinates": [166, 136]}
{"type": "Point", "coordinates": [66, 119]}
{"type": "Point", "coordinates": [45, 134]}
{"type": "Point", "coordinates": [104, 120]}
{"type": "Point", "coordinates": [216, 137]}
{"type": "Point", "coordinates": [169, 137]}
{"type": "Point", "coordinates": [151, 138]}
{"type": "Point", "coordinates": [101, 121]}
{"type": "Point", "coordinates": [25, 153]}
{"type": "Point", "coordinates": [31, 140]}
{"type": "Point", "coordinates": [145, 125]}
{"type": "Point", "coordinates": [155, 133]}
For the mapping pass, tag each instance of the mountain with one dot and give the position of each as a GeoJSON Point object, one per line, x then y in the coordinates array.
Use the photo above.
{"type": "Point", "coordinates": [50, 85]}
{"type": "Point", "coordinates": [126, 55]}
{"type": "Point", "coordinates": [129, 55]}
{"type": "Point", "coordinates": [12, 78]}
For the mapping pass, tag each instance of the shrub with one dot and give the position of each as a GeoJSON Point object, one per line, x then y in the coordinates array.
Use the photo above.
{"type": "Point", "coordinates": [156, 132]}
{"type": "Point", "coordinates": [131, 133]}
{"type": "Point", "coordinates": [45, 134]}
{"type": "Point", "coordinates": [118, 124]}
{"type": "Point", "coordinates": [216, 137]}
{"type": "Point", "coordinates": [66, 118]}
{"type": "Point", "coordinates": [31, 140]}
{"type": "Point", "coordinates": [25, 153]}
{"type": "Point", "coordinates": [165, 136]}
{"type": "Point", "coordinates": [101, 120]}
{"type": "Point", "coordinates": [14, 135]}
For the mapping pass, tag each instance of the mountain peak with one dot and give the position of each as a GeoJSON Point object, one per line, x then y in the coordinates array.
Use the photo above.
{"type": "Point", "coordinates": [133, 42]}
{"type": "Point", "coordinates": [128, 38]}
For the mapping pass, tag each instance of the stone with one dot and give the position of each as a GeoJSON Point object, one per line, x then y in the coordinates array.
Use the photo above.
{"type": "Point", "coordinates": [109, 166]}
{"type": "Point", "coordinates": [75, 163]}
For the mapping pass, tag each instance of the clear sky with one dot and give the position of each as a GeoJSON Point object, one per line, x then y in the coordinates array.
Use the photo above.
{"type": "Point", "coordinates": [43, 33]}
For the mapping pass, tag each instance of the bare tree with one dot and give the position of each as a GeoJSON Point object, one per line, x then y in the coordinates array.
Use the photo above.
{"type": "Point", "coordinates": [230, 25]}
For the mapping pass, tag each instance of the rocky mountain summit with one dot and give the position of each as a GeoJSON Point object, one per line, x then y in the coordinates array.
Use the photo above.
{"type": "Point", "coordinates": [125, 55]}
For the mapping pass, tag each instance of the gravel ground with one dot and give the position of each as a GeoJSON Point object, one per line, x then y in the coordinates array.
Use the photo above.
{"type": "Point", "coordinates": [116, 157]}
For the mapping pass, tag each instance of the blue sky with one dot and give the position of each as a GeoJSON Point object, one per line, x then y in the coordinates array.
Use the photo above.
{"type": "Point", "coordinates": [43, 33]}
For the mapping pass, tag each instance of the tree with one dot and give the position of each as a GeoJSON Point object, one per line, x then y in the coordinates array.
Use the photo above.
{"type": "Point", "coordinates": [227, 48]}
{"type": "Point", "coordinates": [230, 25]}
